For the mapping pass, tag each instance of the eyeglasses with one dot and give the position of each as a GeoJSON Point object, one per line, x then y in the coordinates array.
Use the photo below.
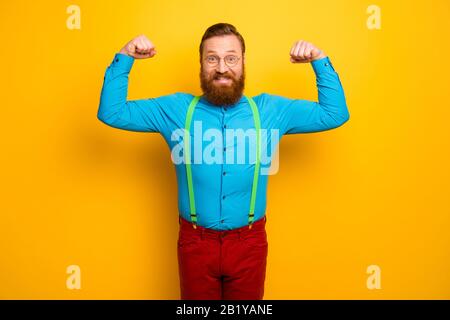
{"type": "Point", "coordinates": [230, 60]}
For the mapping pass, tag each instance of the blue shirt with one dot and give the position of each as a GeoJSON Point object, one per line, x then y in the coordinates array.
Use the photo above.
{"type": "Point", "coordinates": [222, 190]}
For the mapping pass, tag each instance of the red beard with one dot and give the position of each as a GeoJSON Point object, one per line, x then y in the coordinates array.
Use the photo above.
{"type": "Point", "coordinates": [222, 94]}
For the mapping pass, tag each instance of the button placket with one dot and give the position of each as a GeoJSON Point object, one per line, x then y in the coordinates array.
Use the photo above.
{"type": "Point", "coordinates": [224, 147]}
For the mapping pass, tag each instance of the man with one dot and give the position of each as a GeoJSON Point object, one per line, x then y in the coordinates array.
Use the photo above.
{"type": "Point", "coordinates": [222, 242]}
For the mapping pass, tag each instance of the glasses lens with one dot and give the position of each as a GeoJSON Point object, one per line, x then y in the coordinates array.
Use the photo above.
{"type": "Point", "coordinates": [211, 60]}
{"type": "Point", "coordinates": [231, 60]}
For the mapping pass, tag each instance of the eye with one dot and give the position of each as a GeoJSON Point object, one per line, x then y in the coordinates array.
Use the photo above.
{"type": "Point", "coordinates": [232, 59]}
{"type": "Point", "coordinates": [211, 59]}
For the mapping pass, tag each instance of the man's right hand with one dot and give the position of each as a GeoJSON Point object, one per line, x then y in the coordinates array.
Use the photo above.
{"type": "Point", "coordinates": [139, 48]}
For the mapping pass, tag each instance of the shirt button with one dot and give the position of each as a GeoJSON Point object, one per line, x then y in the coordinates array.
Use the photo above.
{"type": "Point", "coordinates": [224, 173]}
{"type": "Point", "coordinates": [117, 60]}
{"type": "Point", "coordinates": [225, 108]}
{"type": "Point", "coordinates": [224, 149]}
{"type": "Point", "coordinates": [224, 126]}
{"type": "Point", "coordinates": [327, 64]}
{"type": "Point", "coordinates": [221, 221]}
{"type": "Point", "coordinates": [223, 197]}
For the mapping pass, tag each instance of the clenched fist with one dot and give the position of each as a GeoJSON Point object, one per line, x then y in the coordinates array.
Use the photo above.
{"type": "Point", "coordinates": [303, 52]}
{"type": "Point", "coordinates": [139, 48]}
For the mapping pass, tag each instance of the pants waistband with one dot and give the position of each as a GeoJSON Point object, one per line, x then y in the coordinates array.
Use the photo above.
{"type": "Point", "coordinates": [186, 226]}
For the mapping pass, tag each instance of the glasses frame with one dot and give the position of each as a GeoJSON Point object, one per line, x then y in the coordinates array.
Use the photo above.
{"type": "Point", "coordinates": [218, 63]}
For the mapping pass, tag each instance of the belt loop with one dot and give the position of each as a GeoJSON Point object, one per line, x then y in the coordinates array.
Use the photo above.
{"type": "Point", "coordinates": [201, 233]}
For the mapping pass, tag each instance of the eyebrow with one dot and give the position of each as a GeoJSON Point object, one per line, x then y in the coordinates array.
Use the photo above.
{"type": "Point", "coordinates": [215, 51]}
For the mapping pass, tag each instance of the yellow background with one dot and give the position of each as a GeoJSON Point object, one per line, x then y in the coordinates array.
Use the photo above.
{"type": "Point", "coordinates": [373, 192]}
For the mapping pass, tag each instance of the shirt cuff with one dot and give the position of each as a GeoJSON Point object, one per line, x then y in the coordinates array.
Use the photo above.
{"type": "Point", "coordinates": [322, 65]}
{"type": "Point", "coordinates": [122, 61]}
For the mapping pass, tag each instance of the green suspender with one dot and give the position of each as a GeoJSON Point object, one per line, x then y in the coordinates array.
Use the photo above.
{"type": "Point", "coordinates": [187, 158]}
{"type": "Point", "coordinates": [256, 120]}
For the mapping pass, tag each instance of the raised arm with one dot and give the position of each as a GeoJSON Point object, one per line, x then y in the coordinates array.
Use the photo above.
{"type": "Point", "coordinates": [304, 116]}
{"type": "Point", "coordinates": [146, 115]}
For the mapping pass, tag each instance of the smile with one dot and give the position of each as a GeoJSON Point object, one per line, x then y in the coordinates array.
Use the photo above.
{"type": "Point", "coordinates": [222, 80]}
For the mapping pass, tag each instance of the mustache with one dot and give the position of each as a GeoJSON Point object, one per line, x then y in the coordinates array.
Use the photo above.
{"type": "Point", "coordinates": [217, 76]}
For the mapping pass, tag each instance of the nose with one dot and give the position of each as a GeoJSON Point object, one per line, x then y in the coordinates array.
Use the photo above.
{"type": "Point", "coordinates": [222, 66]}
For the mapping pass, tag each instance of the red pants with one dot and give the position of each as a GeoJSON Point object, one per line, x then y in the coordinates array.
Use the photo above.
{"type": "Point", "coordinates": [228, 265]}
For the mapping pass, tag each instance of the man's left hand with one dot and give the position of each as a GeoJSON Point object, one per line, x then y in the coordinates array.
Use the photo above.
{"type": "Point", "coordinates": [304, 52]}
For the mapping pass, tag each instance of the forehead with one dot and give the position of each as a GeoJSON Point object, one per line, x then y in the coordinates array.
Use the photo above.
{"type": "Point", "coordinates": [222, 45]}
